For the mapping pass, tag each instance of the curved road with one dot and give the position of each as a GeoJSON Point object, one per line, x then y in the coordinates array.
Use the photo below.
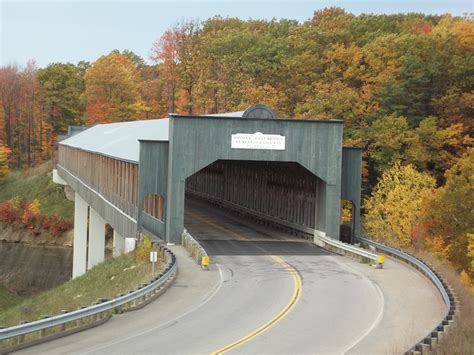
{"type": "Point", "coordinates": [268, 293]}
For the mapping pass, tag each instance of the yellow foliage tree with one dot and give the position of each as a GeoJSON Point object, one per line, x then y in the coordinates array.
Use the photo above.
{"type": "Point", "coordinates": [4, 168]}
{"type": "Point", "coordinates": [31, 213]}
{"type": "Point", "coordinates": [393, 210]}
{"type": "Point", "coordinates": [112, 90]}
{"type": "Point", "coordinates": [143, 250]}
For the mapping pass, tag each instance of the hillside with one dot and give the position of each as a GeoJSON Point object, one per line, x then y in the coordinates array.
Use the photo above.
{"type": "Point", "coordinates": [36, 183]}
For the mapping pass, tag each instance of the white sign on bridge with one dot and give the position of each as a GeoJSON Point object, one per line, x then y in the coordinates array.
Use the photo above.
{"type": "Point", "coordinates": [258, 141]}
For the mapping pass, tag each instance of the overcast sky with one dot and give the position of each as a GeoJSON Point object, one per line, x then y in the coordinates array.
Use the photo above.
{"type": "Point", "coordinates": [70, 31]}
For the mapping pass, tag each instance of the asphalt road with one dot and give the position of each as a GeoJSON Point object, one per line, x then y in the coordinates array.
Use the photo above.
{"type": "Point", "coordinates": [268, 292]}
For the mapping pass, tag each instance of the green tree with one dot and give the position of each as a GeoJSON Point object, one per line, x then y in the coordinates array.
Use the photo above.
{"type": "Point", "coordinates": [435, 149]}
{"type": "Point", "coordinates": [61, 87]}
{"type": "Point", "coordinates": [394, 209]}
{"type": "Point", "coordinates": [387, 138]}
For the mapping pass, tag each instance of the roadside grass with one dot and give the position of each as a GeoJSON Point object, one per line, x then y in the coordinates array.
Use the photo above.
{"type": "Point", "coordinates": [109, 279]}
{"type": "Point", "coordinates": [35, 183]}
{"type": "Point", "coordinates": [7, 299]}
{"type": "Point", "coordinates": [461, 339]}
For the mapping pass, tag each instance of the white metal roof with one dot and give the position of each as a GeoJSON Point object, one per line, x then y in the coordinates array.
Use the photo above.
{"type": "Point", "coordinates": [120, 140]}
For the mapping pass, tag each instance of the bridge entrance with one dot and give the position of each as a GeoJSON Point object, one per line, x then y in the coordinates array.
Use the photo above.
{"type": "Point", "coordinates": [284, 195]}
{"type": "Point", "coordinates": [284, 172]}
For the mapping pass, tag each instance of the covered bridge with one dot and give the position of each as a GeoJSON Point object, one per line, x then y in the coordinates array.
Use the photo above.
{"type": "Point", "coordinates": [136, 175]}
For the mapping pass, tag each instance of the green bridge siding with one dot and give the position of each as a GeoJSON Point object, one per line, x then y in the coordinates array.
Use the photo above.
{"type": "Point", "coordinates": [195, 142]}
{"type": "Point", "coordinates": [153, 179]}
{"type": "Point", "coordinates": [351, 182]}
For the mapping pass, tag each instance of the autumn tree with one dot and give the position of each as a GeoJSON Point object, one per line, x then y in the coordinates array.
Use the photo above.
{"type": "Point", "coordinates": [187, 44]}
{"type": "Point", "coordinates": [450, 212]}
{"type": "Point", "coordinates": [112, 90]}
{"type": "Point", "coordinates": [165, 52]}
{"type": "Point", "coordinates": [393, 210]}
{"type": "Point", "coordinates": [4, 165]}
{"type": "Point", "coordinates": [9, 94]}
{"type": "Point", "coordinates": [153, 93]}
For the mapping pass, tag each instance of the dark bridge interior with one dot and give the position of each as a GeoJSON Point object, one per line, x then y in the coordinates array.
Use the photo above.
{"type": "Point", "coordinates": [248, 201]}
{"type": "Point", "coordinates": [283, 193]}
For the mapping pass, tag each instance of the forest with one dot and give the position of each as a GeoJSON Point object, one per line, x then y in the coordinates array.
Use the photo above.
{"type": "Point", "coordinates": [403, 85]}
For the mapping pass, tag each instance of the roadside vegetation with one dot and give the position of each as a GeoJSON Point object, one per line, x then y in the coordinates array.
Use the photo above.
{"type": "Point", "coordinates": [35, 184]}
{"type": "Point", "coordinates": [30, 199]}
{"type": "Point", "coordinates": [407, 210]}
{"type": "Point", "coordinates": [7, 299]}
{"type": "Point", "coordinates": [108, 280]}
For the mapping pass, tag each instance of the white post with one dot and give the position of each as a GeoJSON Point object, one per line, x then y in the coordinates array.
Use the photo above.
{"type": "Point", "coordinates": [80, 236]}
{"type": "Point", "coordinates": [119, 244]}
{"type": "Point", "coordinates": [96, 239]}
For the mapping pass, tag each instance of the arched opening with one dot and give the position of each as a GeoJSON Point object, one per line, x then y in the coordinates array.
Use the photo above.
{"type": "Point", "coordinates": [347, 221]}
{"type": "Point", "coordinates": [228, 198]}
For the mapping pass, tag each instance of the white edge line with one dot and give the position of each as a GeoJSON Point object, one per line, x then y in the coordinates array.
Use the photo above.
{"type": "Point", "coordinates": [379, 315]}
{"type": "Point", "coordinates": [208, 298]}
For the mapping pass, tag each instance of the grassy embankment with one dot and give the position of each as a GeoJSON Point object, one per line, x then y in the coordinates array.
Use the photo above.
{"type": "Point", "coordinates": [7, 299]}
{"type": "Point", "coordinates": [35, 183]}
{"type": "Point", "coordinates": [107, 280]}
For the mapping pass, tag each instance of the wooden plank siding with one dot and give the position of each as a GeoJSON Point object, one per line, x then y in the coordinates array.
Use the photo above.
{"type": "Point", "coordinates": [285, 191]}
{"type": "Point", "coordinates": [114, 179]}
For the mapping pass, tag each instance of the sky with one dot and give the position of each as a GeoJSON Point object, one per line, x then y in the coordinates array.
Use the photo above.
{"type": "Point", "coordinates": [71, 31]}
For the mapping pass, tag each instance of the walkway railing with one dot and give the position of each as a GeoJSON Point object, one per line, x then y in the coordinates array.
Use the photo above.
{"type": "Point", "coordinates": [347, 249]}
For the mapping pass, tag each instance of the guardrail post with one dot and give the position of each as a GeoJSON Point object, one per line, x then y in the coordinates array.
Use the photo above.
{"type": "Point", "coordinates": [43, 331]}
{"type": "Point", "coordinates": [62, 327]}
{"type": "Point", "coordinates": [433, 341]}
{"type": "Point", "coordinates": [440, 334]}
{"type": "Point", "coordinates": [423, 348]}
{"type": "Point", "coordinates": [80, 321]}
{"type": "Point", "coordinates": [21, 338]}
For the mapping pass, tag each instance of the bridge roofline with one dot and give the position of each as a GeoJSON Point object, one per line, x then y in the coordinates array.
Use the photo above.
{"type": "Point", "coordinates": [225, 116]}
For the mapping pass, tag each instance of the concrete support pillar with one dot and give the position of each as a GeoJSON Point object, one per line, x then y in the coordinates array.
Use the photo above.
{"type": "Point", "coordinates": [79, 265]}
{"type": "Point", "coordinates": [96, 239]}
{"type": "Point", "coordinates": [119, 244]}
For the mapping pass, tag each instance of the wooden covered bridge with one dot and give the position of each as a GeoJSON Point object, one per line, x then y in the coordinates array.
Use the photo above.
{"type": "Point", "coordinates": [135, 176]}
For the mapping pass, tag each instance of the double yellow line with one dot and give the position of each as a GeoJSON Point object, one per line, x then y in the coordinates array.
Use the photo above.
{"type": "Point", "coordinates": [282, 314]}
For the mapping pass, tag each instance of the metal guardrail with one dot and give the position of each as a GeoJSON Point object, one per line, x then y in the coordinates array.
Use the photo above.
{"type": "Point", "coordinates": [376, 259]}
{"type": "Point", "coordinates": [432, 339]}
{"type": "Point", "coordinates": [62, 319]}
{"type": "Point", "coordinates": [195, 249]}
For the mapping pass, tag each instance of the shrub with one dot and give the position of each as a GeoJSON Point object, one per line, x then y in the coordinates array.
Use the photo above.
{"type": "Point", "coordinates": [10, 211]}
{"type": "Point", "coordinates": [28, 215]}
{"type": "Point", "coordinates": [31, 216]}
{"type": "Point", "coordinates": [58, 225]}
{"type": "Point", "coordinates": [143, 250]}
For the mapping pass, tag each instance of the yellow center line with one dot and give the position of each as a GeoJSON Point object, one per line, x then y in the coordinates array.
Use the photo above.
{"type": "Point", "coordinates": [283, 313]}
{"type": "Point", "coordinates": [205, 220]}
